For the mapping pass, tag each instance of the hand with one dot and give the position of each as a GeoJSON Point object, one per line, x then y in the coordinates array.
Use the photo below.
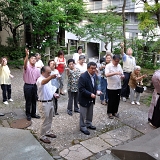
{"type": "Point", "coordinates": [122, 45]}
{"type": "Point", "coordinates": [11, 76]}
{"type": "Point", "coordinates": [93, 95]}
{"type": "Point", "coordinates": [27, 51]}
{"type": "Point", "coordinates": [118, 73]}
{"type": "Point", "coordinates": [144, 76]}
{"type": "Point", "coordinates": [53, 76]}
{"type": "Point", "coordinates": [99, 92]}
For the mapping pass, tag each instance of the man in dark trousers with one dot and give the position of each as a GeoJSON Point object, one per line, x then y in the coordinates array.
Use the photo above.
{"type": "Point", "coordinates": [87, 94]}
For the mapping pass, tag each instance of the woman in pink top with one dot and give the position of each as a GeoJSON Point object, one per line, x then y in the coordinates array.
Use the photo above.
{"type": "Point", "coordinates": [60, 66]}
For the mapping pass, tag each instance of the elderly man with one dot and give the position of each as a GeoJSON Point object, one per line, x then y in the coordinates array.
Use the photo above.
{"type": "Point", "coordinates": [45, 95]}
{"type": "Point", "coordinates": [114, 74]}
{"type": "Point", "coordinates": [30, 76]}
{"type": "Point", "coordinates": [81, 65]}
{"type": "Point", "coordinates": [87, 93]}
{"type": "Point", "coordinates": [128, 66]}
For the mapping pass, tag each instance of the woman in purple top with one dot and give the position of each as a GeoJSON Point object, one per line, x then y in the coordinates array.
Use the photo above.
{"type": "Point", "coordinates": [154, 110]}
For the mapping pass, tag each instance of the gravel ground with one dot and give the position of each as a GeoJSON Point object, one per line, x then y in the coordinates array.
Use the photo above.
{"type": "Point", "coordinates": [64, 126]}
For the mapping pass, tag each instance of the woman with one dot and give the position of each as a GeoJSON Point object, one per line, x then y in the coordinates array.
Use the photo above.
{"type": "Point", "coordinates": [154, 111]}
{"type": "Point", "coordinates": [73, 77]}
{"type": "Point", "coordinates": [55, 82]}
{"type": "Point", "coordinates": [82, 66]}
{"type": "Point", "coordinates": [76, 55]}
{"type": "Point", "coordinates": [60, 66]}
{"type": "Point", "coordinates": [104, 95]}
{"type": "Point", "coordinates": [5, 81]}
{"type": "Point", "coordinates": [135, 78]}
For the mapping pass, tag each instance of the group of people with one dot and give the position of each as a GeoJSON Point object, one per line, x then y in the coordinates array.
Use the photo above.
{"type": "Point", "coordinates": [45, 84]}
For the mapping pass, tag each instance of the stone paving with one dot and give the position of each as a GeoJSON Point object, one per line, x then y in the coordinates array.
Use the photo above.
{"type": "Point", "coordinates": [70, 143]}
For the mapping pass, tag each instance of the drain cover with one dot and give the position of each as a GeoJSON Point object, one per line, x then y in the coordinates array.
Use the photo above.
{"type": "Point", "coordinates": [20, 123]}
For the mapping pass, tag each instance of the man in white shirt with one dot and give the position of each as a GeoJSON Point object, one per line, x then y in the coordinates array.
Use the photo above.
{"type": "Point", "coordinates": [45, 96]}
{"type": "Point", "coordinates": [128, 66]}
{"type": "Point", "coordinates": [114, 74]}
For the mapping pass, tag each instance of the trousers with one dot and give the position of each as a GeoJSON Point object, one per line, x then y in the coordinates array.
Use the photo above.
{"type": "Point", "coordinates": [86, 116]}
{"type": "Point", "coordinates": [6, 91]}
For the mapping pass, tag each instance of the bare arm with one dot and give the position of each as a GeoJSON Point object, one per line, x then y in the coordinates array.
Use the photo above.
{"type": "Point", "coordinates": [122, 48]}
{"type": "Point", "coordinates": [26, 58]}
{"type": "Point", "coordinates": [46, 80]}
{"type": "Point", "coordinates": [112, 74]}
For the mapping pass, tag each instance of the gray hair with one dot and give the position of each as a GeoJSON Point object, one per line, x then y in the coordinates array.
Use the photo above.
{"type": "Point", "coordinates": [137, 67]}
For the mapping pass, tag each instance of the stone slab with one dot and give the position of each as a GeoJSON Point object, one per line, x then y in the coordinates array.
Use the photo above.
{"type": "Point", "coordinates": [95, 144]}
{"type": "Point", "coordinates": [145, 147]}
{"type": "Point", "coordinates": [108, 157]}
{"type": "Point", "coordinates": [19, 144]}
{"type": "Point", "coordinates": [76, 152]}
{"type": "Point", "coordinates": [119, 135]}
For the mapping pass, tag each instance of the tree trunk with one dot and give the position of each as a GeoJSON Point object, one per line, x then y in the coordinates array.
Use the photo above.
{"type": "Point", "coordinates": [15, 41]}
{"type": "Point", "coordinates": [124, 24]}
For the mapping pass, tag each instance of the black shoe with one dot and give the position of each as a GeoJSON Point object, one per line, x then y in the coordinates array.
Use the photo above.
{"type": "Point", "coordinates": [1, 114]}
{"type": "Point", "coordinates": [92, 127]}
{"type": "Point", "coordinates": [77, 111]}
{"type": "Point", "coordinates": [28, 118]}
{"type": "Point", "coordinates": [69, 112]}
{"type": "Point", "coordinates": [85, 132]}
{"type": "Point", "coordinates": [36, 116]}
{"type": "Point", "coordinates": [57, 114]}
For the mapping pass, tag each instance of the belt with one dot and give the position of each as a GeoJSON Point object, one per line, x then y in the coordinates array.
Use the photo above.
{"type": "Point", "coordinates": [46, 100]}
{"type": "Point", "coordinates": [30, 84]}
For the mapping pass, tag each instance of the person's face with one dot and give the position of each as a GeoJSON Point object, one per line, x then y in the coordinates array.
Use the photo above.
{"type": "Point", "coordinates": [80, 51]}
{"type": "Point", "coordinates": [137, 71]}
{"type": "Point", "coordinates": [4, 61]}
{"type": "Point", "coordinates": [115, 62]}
{"type": "Point", "coordinates": [32, 60]}
{"type": "Point", "coordinates": [92, 70]}
{"type": "Point", "coordinates": [52, 65]}
{"type": "Point", "coordinates": [71, 65]}
{"type": "Point", "coordinates": [61, 56]}
{"type": "Point", "coordinates": [47, 72]}
{"type": "Point", "coordinates": [129, 51]}
{"type": "Point", "coordinates": [38, 58]}
{"type": "Point", "coordinates": [81, 61]}
{"type": "Point", "coordinates": [108, 59]}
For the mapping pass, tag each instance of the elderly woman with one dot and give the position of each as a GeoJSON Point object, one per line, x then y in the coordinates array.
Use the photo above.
{"type": "Point", "coordinates": [135, 78]}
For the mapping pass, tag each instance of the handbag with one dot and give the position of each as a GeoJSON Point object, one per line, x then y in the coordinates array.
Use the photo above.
{"type": "Point", "coordinates": [139, 88]}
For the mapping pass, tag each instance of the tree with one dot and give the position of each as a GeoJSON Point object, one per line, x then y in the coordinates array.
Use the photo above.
{"type": "Point", "coordinates": [105, 27]}
{"type": "Point", "coordinates": [14, 14]}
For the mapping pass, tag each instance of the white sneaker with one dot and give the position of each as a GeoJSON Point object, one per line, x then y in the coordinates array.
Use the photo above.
{"type": "Point", "coordinates": [10, 100]}
{"type": "Point", "coordinates": [124, 99]}
{"type": "Point", "coordinates": [137, 103]}
{"type": "Point", "coordinates": [132, 102]}
{"type": "Point", "coordinates": [5, 102]}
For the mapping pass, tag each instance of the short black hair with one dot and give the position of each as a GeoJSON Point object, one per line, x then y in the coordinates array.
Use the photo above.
{"type": "Point", "coordinates": [50, 61]}
{"type": "Point", "coordinates": [81, 57]}
{"type": "Point", "coordinates": [116, 57]}
{"type": "Point", "coordinates": [91, 64]}
{"type": "Point", "coordinates": [71, 60]}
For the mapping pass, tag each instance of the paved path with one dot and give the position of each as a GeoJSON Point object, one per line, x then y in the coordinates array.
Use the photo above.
{"type": "Point", "coordinates": [70, 143]}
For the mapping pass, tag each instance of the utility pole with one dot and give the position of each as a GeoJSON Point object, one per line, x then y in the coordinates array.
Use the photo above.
{"type": "Point", "coordinates": [124, 24]}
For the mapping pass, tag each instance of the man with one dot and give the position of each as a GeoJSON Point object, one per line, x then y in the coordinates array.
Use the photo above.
{"type": "Point", "coordinates": [45, 95]}
{"type": "Point", "coordinates": [114, 74]}
{"type": "Point", "coordinates": [30, 76]}
{"type": "Point", "coordinates": [87, 93]}
{"type": "Point", "coordinates": [128, 66]}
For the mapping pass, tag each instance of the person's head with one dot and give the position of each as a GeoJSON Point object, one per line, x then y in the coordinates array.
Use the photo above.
{"type": "Point", "coordinates": [4, 60]}
{"type": "Point", "coordinates": [137, 69]}
{"type": "Point", "coordinates": [38, 56]}
{"type": "Point", "coordinates": [129, 51]}
{"type": "Point", "coordinates": [81, 59]}
{"type": "Point", "coordinates": [91, 67]}
{"type": "Point", "coordinates": [71, 64]}
{"type": "Point", "coordinates": [60, 54]}
{"type": "Point", "coordinates": [52, 64]}
{"type": "Point", "coordinates": [116, 59]}
{"type": "Point", "coordinates": [32, 60]}
{"type": "Point", "coordinates": [80, 49]}
{"type": "Point", "coordinates": [46, 71]}
{"type": "Point", "coordinates": [108, 58]}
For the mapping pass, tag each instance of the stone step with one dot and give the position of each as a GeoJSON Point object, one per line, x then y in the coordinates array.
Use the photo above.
{"type": "Point", "coordinates": [146, 147]}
